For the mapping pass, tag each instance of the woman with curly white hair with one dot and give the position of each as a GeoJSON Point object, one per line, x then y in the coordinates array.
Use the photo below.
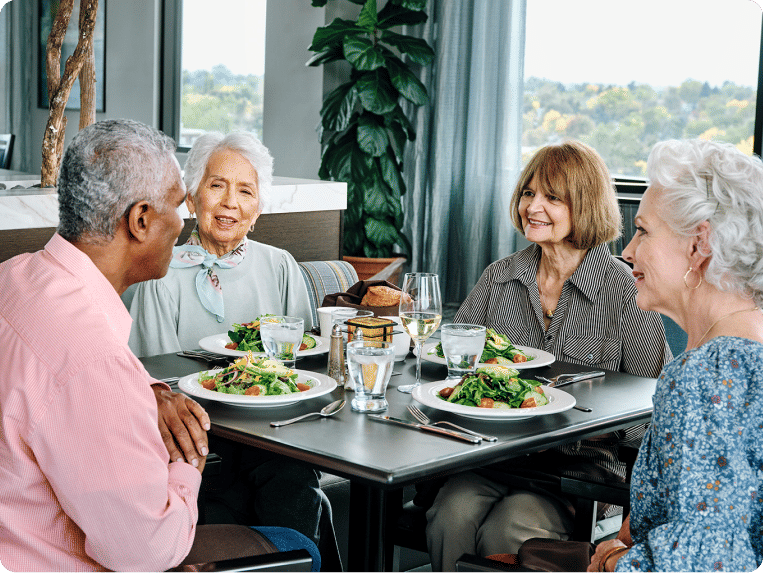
{"type": "Point", "coordinates": [220, 277]}
{"type": "Point", "coordinates": [697, 486]}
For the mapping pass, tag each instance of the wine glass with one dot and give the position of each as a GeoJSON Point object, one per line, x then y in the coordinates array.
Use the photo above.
{"type": "Point", "coordinates": [421, 313]}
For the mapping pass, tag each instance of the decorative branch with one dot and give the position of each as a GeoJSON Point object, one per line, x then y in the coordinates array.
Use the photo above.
{"type": "Point", "coordinates": [55, 42]}
{"type": "Point", "coordinates": [87, 77]}
{"type": "Point", "coordinates": [59, 89]}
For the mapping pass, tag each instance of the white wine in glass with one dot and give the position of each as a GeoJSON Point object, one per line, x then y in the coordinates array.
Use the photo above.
{"type": "Point", "coordinates": [420, 312]}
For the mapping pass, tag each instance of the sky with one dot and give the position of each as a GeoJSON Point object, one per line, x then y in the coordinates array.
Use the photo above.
{"type": "Point", "coordinates": [211, 36]}
{"type": "Point", "coordinates": [659, 42]}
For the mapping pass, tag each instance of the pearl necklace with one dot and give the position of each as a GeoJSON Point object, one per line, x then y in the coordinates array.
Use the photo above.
{"type": "Point", "coordinates": [722, 318]}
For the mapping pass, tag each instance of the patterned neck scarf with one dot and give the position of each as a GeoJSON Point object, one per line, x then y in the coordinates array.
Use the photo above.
{"type": "Point", "coordinates": [207, 284]}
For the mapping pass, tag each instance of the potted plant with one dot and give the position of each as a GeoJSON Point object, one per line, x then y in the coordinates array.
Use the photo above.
{"type": "Point", "coordinates": [363, 127]}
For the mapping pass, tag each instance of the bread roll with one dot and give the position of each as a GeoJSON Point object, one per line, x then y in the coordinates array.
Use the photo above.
{"type": "Point", "coordinates": [381, 295]}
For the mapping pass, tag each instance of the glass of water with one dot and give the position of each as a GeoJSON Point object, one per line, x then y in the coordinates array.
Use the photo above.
{"type": "Point", "coordinates": [370, 364]}
{"type": "Point", "coordinates": [282, 337]}
{"type": "Point", "coordinates": [462, 345]}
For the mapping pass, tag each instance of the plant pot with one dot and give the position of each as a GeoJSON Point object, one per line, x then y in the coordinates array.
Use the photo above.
{"type": "Point", "coordinates": [366, 267]}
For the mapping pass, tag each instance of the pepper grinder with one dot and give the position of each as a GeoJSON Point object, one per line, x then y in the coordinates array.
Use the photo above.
{"type": "Point", "coordinates": [337, 368]}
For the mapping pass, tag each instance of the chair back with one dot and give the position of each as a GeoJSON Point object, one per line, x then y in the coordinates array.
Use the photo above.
{"type": "Point", "coordinates": [326, 277]}
{"type": "Point", "coordinates": [6, 149]}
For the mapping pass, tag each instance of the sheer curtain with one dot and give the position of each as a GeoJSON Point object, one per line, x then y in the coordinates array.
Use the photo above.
{"type": "Point", "coordinates": [461, 169]}
{"type": "Point", "coordinates": [17, 94]}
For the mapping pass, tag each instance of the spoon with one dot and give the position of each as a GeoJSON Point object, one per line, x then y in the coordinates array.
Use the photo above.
{"type": "Point", "coordinates": [328, 410]}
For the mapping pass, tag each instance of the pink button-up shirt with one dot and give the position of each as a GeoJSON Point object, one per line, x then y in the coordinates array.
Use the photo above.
{"type": "Point", "coordinates": [85, 479]}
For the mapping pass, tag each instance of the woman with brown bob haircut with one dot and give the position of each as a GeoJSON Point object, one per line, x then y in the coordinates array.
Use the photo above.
{"type": "Point", "coordinates": [565, 294]}
{"type": "Point", "coordinates": [577, 175]}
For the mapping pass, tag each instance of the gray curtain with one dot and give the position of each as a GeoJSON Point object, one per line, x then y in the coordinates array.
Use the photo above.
{"type": "Point", "coordinates": [461, 169]}
{"type": "Point", "coordinates": [17, 94]}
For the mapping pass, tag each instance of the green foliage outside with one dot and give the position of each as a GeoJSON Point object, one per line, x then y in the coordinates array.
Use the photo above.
{"type": "Point", "coordinates": [219, 100]}
{"type": "Point", "coordinates": [623, 122]}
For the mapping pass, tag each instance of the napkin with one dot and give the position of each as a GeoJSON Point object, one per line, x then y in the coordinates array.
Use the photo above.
{"type": "Point", "coordinates": [354, 296]}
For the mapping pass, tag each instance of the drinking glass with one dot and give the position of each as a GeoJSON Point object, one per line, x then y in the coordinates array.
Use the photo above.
{"type": "Point", "coordinates": [282, 337]}
{"type": "Point", "coordinates": [340, 316]}
{"type": "Point", "coordinates": [462, 345]}
{"type": "Point", "coordinates": [420, 313]}
{"type": "Point", "coordinates": [370, 364]}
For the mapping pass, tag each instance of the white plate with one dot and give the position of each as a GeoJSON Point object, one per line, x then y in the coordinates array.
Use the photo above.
{"type": "Point", "coordinates": [540, 357]}
{"type": "Point", "coordinates": [321, 384]}
{"type": "Point", "coordinates": [427, 394]}
{"type": "Point", "coordinates": [216, 343]}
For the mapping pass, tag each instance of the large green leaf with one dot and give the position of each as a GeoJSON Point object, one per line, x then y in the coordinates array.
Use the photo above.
{"type": "Point", "coordinates": [417, 49]}
{"type": "Point", "coordinates": [367, 18]}
{"type": "Point", "coordinates": [397, 140]}
{"type": "Point", "coordinates": [376, 198]}
{"type": "Point", "coordinates": [334, 34]}
{"type": "Point", "coordinates": [395, 15]}
{"type": "Point", "coordinates": [330, 54]}
{"type": "Point", "coordinates": [337, 107]}
{"type": "Point", "coordinates": [362, 54]}
{"type": "Point", "coordinates": [376, 92]}
{"type": "Point", "coordinates": [406, 83]}
{"type": "Point", "coordinates": [380, 232]}
{"type": "Point", "coordinates": [337, 157]}
{"type": "Point", "coordinates": [390, 172]}
{"type": "Point", "coordinates": [396, 116]}
{"type": "Point", "coordinates": [361, 164]}
{"type": "Point", "coordinates": [372, 137]}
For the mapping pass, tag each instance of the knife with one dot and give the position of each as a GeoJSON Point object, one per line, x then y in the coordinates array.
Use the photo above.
{"type": "Point", "coordinates": [576, 377]}
{"type": "Point", "coordinates": [428, 428]}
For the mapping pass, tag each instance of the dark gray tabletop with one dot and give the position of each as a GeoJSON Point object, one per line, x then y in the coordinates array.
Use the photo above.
{"type": "Point", "coordinates": [379, 459]}
{"type": "Point", "coordinates": [388, 456]}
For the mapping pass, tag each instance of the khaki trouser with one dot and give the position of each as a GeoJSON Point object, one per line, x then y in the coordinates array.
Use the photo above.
{"type": "Point", "coordinates": [473, 514]}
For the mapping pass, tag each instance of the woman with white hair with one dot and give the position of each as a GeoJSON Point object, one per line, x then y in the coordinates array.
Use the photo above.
{"type": "Point", "coordinates": [697, 486]}
{"type": "Point", "coordinates": [219, 277]}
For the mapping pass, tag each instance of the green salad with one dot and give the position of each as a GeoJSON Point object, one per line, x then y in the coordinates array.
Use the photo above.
{"type": "Point", "coordinates": [495, 387]}
{"type": "Point", "coordinates": [249, 376]}
{"type": "Point", "coordinates": [498, 350]}
{"type": "Point", "coordinates": [246, 337]}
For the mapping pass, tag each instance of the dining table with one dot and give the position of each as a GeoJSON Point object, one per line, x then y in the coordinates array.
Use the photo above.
{"type": "Point", "coordinates": [380, 459]}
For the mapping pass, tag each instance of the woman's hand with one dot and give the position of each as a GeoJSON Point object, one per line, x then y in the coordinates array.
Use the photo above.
{"type": "Point", "coordinates": [183, 425]}
{"type": "Point", "coordinates": [625, 531]}
{"type": "Point", "coordinates": [607, 554]}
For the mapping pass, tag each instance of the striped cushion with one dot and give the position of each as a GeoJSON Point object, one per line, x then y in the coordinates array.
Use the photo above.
{"type": "Point", "coordinates": [326, 277]}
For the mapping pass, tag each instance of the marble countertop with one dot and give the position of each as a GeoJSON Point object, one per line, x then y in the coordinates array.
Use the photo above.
{"type": "Point", "coordinates": [31, 208]}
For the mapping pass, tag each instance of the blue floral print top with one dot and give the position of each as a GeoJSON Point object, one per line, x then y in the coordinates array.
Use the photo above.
{"type": "Point", "coordinates": [697, 486]}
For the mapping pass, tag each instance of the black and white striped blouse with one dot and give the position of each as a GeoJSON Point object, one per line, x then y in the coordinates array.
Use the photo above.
{"type": "Point", "coordinates": [596, 323]}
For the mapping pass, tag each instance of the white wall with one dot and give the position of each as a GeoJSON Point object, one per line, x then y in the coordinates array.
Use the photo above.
{"type": "Point", "coordinates": [293, 92]}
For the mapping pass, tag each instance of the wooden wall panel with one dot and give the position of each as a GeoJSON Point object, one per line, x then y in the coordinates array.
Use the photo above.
{"type": "Point", "coordinates": [308, 236]}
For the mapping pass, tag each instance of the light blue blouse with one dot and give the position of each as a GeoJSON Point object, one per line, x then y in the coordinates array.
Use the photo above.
{"type": "Point", "coordinates": [697, 486]}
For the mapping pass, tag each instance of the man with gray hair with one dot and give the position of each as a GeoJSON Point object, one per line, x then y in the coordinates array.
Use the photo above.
{"type": "Point", "coordinates": [100, 464]}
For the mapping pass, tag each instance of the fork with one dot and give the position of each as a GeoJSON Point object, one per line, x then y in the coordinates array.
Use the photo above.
{"type": "Point", "coordinates": [203, 354]}
{"type": "Point", "coordinates": [564, 379]}
{"type": "Point", "coordinates": [424, 419]}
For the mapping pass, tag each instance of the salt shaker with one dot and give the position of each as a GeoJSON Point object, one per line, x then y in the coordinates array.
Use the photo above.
{"type": "Point", "coordinates": [337, 369]}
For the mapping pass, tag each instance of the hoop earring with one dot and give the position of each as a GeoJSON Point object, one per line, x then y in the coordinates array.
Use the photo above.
{"type": "Point", "coordinates": [687, 282]}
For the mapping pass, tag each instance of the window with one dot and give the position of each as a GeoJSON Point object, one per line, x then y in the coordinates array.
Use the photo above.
{"type": "Point", "coordinates": [217, 82]}
{"type": "Point", "coordinates": [621, 76]}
